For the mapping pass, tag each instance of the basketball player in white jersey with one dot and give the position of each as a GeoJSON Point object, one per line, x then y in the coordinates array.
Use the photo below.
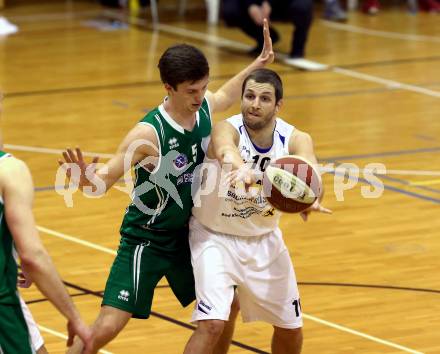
{"type": "Point", "coordinates": [234, 237]}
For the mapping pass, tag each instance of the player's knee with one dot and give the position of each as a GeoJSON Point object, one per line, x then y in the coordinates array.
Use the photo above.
{"type": "Point", "coordinates": [292, 334]}
{"type": "Point", "coordinates": [110, 329]}
{"type": "Point", "coordinates": [212, 328]}
{"type": "Point", "coordinates": [106, 328]}
{"type": "Point", "coordinates": [110, 322]}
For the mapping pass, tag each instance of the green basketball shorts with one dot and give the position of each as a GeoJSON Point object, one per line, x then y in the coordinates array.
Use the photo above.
{"type": "Point", "coordinates": [14, 335]}
{"type": "Point", "coordinates": [137, 269]}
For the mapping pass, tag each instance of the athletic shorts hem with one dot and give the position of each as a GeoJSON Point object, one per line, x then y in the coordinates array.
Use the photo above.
{"type": "Point", "coordinates": [120, 306]}
{"type": "Point", "coordinates": [38, 343]}
{"type": "Point", "coordinates": [283, 325]}
{"type": "Point", "coordinates": [186, 303]}
{"type": "Point", "coordinates": [210, 317]}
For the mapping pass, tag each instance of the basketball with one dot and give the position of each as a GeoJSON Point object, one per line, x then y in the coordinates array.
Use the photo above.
{"type": "Point", "coordinates": [291, 184]}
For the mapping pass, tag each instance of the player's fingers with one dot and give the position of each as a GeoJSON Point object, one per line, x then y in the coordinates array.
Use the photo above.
{"type": "Point", "coordinates": [79, 154]}
{"type": "Point", "coordinates": [65, 167]}
{"type": "Point", "coordinates": [93, 163]}
{"type": "Point", "coordinates": [88, 347]}
{"type": "Point", "coordinates": [266, 31]}
{"type": "Point", "coordinates": [70, 339]}
{"type": "Point", "coordinates": [304, 216]}
{"type": "Point", "coordinates": [229, 180]}
{"type": "Point", "coordinates": [325, 210]}
{"type": "Point", "coordinates": [265, 27]}
{"type": "Point", "coordinates": [72, 156]}
{"type": "Point", "coordinates": [66, 157]}
{"type": "Point", "coordinates": [227, 177]}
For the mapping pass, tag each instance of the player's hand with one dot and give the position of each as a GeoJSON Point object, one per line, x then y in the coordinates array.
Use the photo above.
{"type": "Point", "coordinates": [24, 280]}
{"type": "Point", "coordinates": [256, 14]}
{"type": "Point", "coordinates": [245, 175]}
{"type": "Point", "coordinates": [78, 328]}
{"type": "Point", "coordinates": [84, 171]}
{"type": "Point", "coordinates": [266, 9]}
{"type": "Point", "coordinates": [315, 207]}
{"type": "Point", "coordinates": [267, 55]}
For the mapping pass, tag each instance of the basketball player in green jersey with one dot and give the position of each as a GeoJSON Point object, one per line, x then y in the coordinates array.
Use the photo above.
{"type": "Point", "coordinates": [18, 231]}
{"type": "Point", "coordinates": [164, 148]}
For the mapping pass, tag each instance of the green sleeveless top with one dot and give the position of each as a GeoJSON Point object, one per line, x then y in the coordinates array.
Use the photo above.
{"type": "Point", "coordinates": [161, 200]}
{"type": "Point", "coordinates": [8, 265]}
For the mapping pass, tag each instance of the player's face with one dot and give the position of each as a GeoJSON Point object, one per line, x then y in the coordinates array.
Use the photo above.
{"type": "Point", "coordinates": [189, 95]}
{"type": "Point", "coordinates": [258, 105]}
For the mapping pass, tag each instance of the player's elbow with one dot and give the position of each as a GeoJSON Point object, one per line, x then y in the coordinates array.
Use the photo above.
{"type": "Point", "coordinates": [307, 140]}
{"type": "Point", "coordinates": [34, 259]}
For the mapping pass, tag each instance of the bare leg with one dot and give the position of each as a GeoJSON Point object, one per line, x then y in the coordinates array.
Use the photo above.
{"type": "Point", "coordinates": [205, 337]}
{"type": "Point", "coordinates": [225, 339]}
{"type": "Point", "coordinates": [287, 341]}
{"type": "Point", "coordinates": [107, 326]}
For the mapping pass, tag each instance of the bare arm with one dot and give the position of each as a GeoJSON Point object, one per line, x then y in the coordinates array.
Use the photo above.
{"type": "Point", "coordinates": [140, 143]}
{"type": "Point", "coordinates": [224, 148]}
{"type": "Point", "coordinates": [301, 144]}
{"type": "Point", "coordinates": [17, 191]}
{"type": "Point", "coordinates": [229, 93]}
{"type": "Point", "coordinates": [224, 145]}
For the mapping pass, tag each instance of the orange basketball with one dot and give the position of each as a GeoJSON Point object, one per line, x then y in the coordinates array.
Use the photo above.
{"type": "Point", "coordinates": [291, 184]}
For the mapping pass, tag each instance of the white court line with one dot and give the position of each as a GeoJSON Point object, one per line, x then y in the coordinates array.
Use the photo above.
{"type": "Point", "coordinates": [312, 318]}
{"type": "Point", "coordinates": [54, 16]}
{"type": "Point", "coordinates": [219, 41]}
{"type": "Point", "coordinates": [360, 334]}
{"type": "Point", "coordinates": [63, 336]}
{"type": "Point", "coordinates": [391, 84]}
{"type": "Point", "coordinates": [76, 240]}
{"type": "Point", "coordinates": [384, 34]}
{"type": "Point", "coordinates": [323, 169]}
{"type": "Point", "coordinates": [52, 151]}
{"type": "Point", "coordinates": [237, 45]}
{"type": "Point", "coordinates": [210, 38]}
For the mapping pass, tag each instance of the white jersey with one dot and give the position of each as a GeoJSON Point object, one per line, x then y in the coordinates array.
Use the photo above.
{"type": "Point", "coordinates": [231, 211]}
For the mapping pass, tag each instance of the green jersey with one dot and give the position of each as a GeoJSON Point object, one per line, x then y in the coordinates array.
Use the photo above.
{"type": "Point", "coordinates": [8, 265]}
{"type": "Point", "coordinates": [162, 199]}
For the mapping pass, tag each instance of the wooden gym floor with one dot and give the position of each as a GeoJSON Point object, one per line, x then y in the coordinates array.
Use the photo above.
{"type": "Point", "coordinates": [368, 274]}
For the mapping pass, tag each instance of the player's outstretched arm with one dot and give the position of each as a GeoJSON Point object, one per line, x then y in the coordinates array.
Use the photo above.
{"type": "Point", "coordinates": [224, 145]}
{"type": "Point", "coordinates": [229, 93]}
{"type": "Point", "coordinates": [17, 191]}
{"type": "Point", "coordinates": [301, 144]}
{"type": "Point", "coordinates": [224, 148]}
{"type": "Point", "coordinates": [140, 143]}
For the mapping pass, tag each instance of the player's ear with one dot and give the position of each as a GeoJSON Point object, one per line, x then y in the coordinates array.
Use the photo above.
{"type": "Point", "coordinates": [168, 87]}
{"type": "Point", "coordinates": [279, 105]}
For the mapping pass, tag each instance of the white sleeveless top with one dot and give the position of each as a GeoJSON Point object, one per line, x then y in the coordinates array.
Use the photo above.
{"type": "Point", "coordinates": [233, 211]}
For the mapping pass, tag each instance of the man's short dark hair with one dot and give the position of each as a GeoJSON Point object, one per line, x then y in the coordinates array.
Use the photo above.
{"type": "Point", "coordinates": [266, 76]}
{"type": "Point", "coordinates": [182, 62]}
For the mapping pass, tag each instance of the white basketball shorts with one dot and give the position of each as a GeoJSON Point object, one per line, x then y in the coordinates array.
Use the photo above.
{"type": "Point", "coordinates": [259, 266]}
{"type": "Point", "coordinates": [36, 338]}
